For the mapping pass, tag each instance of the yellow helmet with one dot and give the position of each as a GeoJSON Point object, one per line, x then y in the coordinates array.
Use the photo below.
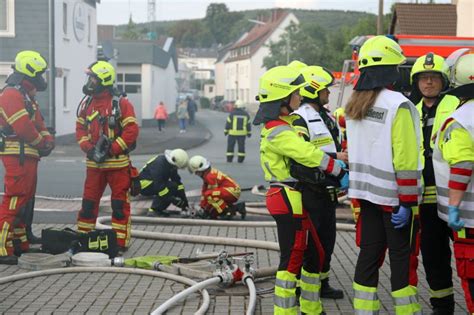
{"type": "Point", "coordinates": [317, 78]}
{"type": "Point", "coordinates": [430, 63]}
{"type": "Point", "coordinates": [30, 63]}
{"type": "Point", "coordinates": [279, 82]}
{"type": "Point", "coordinates": [380, 51]}
{"type": "Point", "coordinates": [297, 65]}
{"type": "Point", "coordinates": [104, 71]}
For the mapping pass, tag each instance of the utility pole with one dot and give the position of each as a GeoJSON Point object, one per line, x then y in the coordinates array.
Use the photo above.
{"type": "Point", "coordinates": [380, 19]}
{"type": "Point", "coordinates": [151, 11]}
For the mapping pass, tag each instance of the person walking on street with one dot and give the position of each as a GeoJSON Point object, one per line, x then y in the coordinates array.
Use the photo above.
{"type": "Point", "coordinates": [453, 161]}
{"type": "Point", "coordinates": [161, 115]}
{"type": "Point", "coordinates": [430, 76]}
{"type": "Point", "coordinates": [107, 131]}
{"type": "Point", "coordinates": [301, 251]}
{"type": "Point", "coordinates": [24, 139]}
{"type": "Point", "coordinates": [182, 115]}
{"type": "Point", "coordinates": [383, 132]}
{"type": "Point", "coordinates": [237, 128]}
{"type": "Point", "coordinates": [316, 125]}
{"type": "Point", "coordinates": [192, 109]}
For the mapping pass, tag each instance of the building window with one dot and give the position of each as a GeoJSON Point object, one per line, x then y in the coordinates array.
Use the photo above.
{"type": "Point", "coordinates": [65, 92]}
{"type": "Point", "coordinates": [65, 18]}
{"type": "Point", "coordinates": [7, 18]}
{"type": "Point", "coordinates": [129, 82]}
{"type": "Point", "coordinates": [211, 89]}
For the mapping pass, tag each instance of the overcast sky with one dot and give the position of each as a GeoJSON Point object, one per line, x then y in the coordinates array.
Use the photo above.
{"type": "Point", "coordinates": [118, 11]}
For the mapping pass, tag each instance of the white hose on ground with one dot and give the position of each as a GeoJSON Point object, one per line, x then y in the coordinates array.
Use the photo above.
{"type": "Point", "coordinates": [28, 275]}
{"type": "Point", "coordinates": [262, 211]}
{"type": "Point", "coordinates": [252, 296]}
{"type": "Point", "coordinates": [183, 294]}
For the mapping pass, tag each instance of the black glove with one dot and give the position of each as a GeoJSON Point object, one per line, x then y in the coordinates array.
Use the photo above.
{"type": "Point", "coordinates": [178, 202]}
{"type": "Point", "coordinates": [101, 150]}
{"type": "Point", "coordinates": [48, 148]}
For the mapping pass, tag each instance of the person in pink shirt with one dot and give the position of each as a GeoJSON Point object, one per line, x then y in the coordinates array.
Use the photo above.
{"type": "Point", "coordinates": [161, 115]}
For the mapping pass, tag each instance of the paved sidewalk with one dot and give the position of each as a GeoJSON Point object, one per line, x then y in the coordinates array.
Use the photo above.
{"type": "Point", "coordinates": [130, 294]}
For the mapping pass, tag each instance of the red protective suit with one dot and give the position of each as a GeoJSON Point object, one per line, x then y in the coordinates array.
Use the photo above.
{"type": "Point", "coordinates": [218, 192]}
{"type": "Point", "coordinates": [115, 170]}
{"type": "Point", "coordinates": [23, 126]}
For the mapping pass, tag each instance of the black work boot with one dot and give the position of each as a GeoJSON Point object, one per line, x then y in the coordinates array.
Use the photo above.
{"type": "Point", "coordinates": [241, 159]}
{"type": "Point", "coordinates": [443, 306]}
{"type": "Point", "coordinates": [442, 311]}
{"type": "Point", "coordinates": [241, 209]}
{"type": "Point", "coordinates": [229, 159]}
{"type": "Point", "coordinates": [155, 213]}
{"type": "Point", "coordinates": [32, 239]}
{"type": "Point", "coordinates": [8, 260]}
{"type": "Point", "coordinates": [329, 292]}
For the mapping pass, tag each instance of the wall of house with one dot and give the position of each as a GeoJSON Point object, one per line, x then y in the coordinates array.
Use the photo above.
{"type": "Point", "coordinates": [158, 85]}
{"type": "Point", "coordinates": [75, 49]}
{"type": "Point", "coordinates": [465, 11]}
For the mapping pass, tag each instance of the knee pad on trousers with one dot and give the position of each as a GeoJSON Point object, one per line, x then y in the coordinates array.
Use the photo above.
{"type": "Point", "coordinates": [87, 209]}
{"type": "Point", "coordinates": [117, 209]}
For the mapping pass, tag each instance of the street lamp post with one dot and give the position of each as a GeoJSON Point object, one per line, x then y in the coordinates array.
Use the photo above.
{"type": "Point", "coordinates": [287, 38]}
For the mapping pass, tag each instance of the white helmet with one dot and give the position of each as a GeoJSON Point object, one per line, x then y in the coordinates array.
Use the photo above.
{"type": "Point", "coordinates": [177, 157]}
{"type": "Point", "coordinates": [462, 72]}
{"type": "Point", "coordinates": [239, 104]}
{"type": "Point", "coordinates": [198, 163]}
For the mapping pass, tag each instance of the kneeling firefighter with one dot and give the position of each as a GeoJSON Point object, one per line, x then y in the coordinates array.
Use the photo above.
{"type": "Point", "coordinates": [106, 130]}
{"type": "Point", "coordinates": [24, 139]}
{"type": "Point", "coordinates": [301, 250]}
{"type": "Point", "coordinates": [159, 178]}
{"type": "Point", "coordinates": [316, 125]}
{"type": "Point", "coordinates": [219, 192]}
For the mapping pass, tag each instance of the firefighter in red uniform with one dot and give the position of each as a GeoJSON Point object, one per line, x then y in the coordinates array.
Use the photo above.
{"type": "Point", "coordinates": [23, 140]}
{"type": "Point", "coordinates": [106, 130]}
{"type": "Point", "coordinates": [219, 192]}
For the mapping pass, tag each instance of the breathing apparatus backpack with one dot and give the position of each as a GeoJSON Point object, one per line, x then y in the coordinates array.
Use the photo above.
{"type": "Point", "coordinates": [57, 241]}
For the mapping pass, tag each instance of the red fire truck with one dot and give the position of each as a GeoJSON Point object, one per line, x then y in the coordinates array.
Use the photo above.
{"type": "Point", "coordinates": [413, 47]}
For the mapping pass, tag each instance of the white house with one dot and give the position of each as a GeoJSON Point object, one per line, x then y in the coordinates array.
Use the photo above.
{"type": "Point", "coordinates": [465, 12]}
{"type": "Point", "coordinates": [65, 33]}
{"type": "Point", "coordinates": [244, 65]}
{"type": "Point", "coordinates": [146, 71]}
{"type": "Point", "coordinates": [200, 60]}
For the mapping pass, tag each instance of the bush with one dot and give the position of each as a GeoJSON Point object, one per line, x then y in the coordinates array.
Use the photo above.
{"type": "Point", "coordinates": [205, 102]}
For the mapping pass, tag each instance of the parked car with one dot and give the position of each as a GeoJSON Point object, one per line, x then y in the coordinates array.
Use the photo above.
{"type": "Point", "coordinates": [225, 106]}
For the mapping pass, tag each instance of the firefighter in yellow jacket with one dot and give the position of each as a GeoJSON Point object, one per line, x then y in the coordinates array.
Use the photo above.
{"type": "Point", "coordinates": [453, 161]}
{"type": "Point", "coordinates": [430, 76]}
{"type": "Point", "coordinates": [385, 176]}
{"type": "Point", "coordinates": [280, 146]}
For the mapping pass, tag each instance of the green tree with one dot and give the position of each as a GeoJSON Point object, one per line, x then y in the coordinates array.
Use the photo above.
{"type": "Point", "coordinates": [220, 22]}
{"type": "Point", "coordinates": [131, 31]}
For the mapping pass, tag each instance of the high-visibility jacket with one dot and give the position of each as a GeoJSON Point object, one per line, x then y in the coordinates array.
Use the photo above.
{"type": "Point", "coordinates": [430, 124]}
{"type": "Point", "coordinates": [238, 123]}
{"type": "Point", "coordinates": [453, 160]}
{"type": "Point", "coordinates": [313, 128]}
{"type": "Point", "coordinates": [21, 122]}
{"type": "Point", "coordinates": [214, 179]}
{"type": "Point", "coordinates": [280, 142]}
{"type": "Point", "coordinates": [384, 152]}
{"type": "Point", "coordinates": [93, 121]}
{"type": "Point", "coordinates": [159, 172]}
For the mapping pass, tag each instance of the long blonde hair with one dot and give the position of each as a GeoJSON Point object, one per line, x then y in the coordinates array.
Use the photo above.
{"type": "Point", "coordinates": [360, 103]}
